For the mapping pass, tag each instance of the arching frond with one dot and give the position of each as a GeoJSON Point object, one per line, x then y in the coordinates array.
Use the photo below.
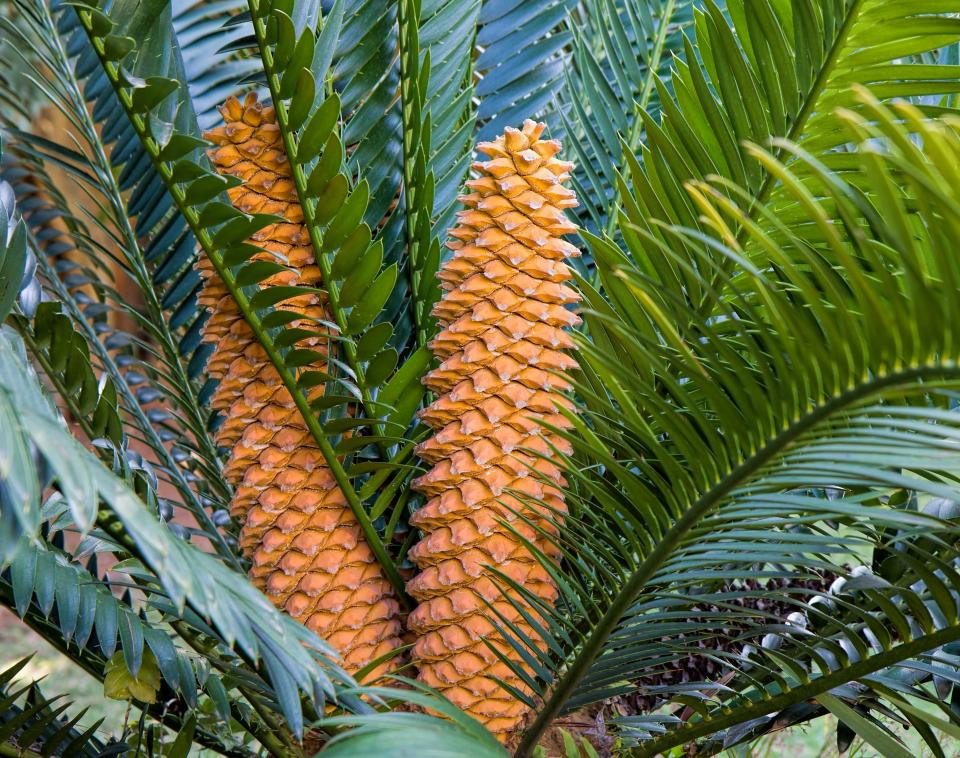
{"type": "Point", "coordinates": [142, 309]}
{"type": "Point", "coordinates": [293, 658]}
{"type": "Point", "coordinates": [523, 49]}
{"type": "Point", "coordinates": [780, 71]}
{"type": "Point", "coordinates": [621, 50]}
{"type": "Point", "coordinates": [31, 721]}
{"type": "Point", "coordinates": [705, 447]}
{"type": "Point", "coordinates": [214, 41]}
{"type": "Point", "coordinates": [765, 457]}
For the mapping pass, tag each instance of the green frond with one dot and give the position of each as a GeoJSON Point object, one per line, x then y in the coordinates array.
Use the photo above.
{"type": "Point", "coordinates": [17, 282]}
{"type": "Point", "coordinates": [765, 468]}
{"type": "Point", "coordinates": [78, 613]}
{"type": "Point", "coordinates": [211, 37]}
{"type": "Point", "coordinates": [703, 447]}
{"type": "Point", "coordinates": [292, 658]}
{"type": "Point", "coordinates": [405, 83]}
{"type": "Point", "coordinates": [780, 72]}
{"type": "Point", "coordinates": [99, 229]}
{"type": "Point", "coordinates": [620, 50]}
{"type": "Point", "coordinates": [381, 733]}
{"type": "Point", "coordinates": [522, 52]}
{"type": "Point", "coordinates": [365, 74]}
{"type": "Point", "coordinates": [447, 34]}
{"type": "Point", "coordinates": [438, 124]}
{"type": "Point", "coordinates": [103, 392]}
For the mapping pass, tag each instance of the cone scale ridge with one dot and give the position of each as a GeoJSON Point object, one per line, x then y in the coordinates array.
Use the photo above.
{"type": "Point", "coordinates": [306, 548]}
{"type": "Point", "coordinates": [502, 347]}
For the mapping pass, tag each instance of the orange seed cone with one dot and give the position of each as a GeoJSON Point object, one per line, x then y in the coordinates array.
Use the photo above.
{"type": "Point", "coordinates": [307, 551]}
{"type": "Point", "coordinates": [503, 315]}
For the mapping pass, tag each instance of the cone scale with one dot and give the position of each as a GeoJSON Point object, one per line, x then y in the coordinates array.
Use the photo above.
{"type": "Point", "coordinates": [306, 548]}
{"type": "Point", "coordinates": [502, 347]}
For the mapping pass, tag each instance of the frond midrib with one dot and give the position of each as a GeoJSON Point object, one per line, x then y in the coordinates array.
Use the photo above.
{"type": "Point", "coordinates": [407, 22]}
{"type": "Point", "coordinates": [372, 536]}
{"type": "Point", "coordinates": [821, 684]}
{"type": "Point", "coordinates": [816, 90]}
{"type": "Point", "coordinates": [636, 129]}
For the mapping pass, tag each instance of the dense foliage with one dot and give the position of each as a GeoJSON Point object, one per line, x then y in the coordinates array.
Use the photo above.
{"type": "Point", "coordinates": [750, 478]}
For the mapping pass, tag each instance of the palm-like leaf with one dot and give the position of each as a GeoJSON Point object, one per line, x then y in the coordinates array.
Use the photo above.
{"type": "Point", "coordinates": [780, 72]}
{"type": "Point", "coordinates": [207, 35]}
{"type": "Point", "coordinates": [255, 648]}
{"type": "Point", "coordinates": [523, 48]}
{"type": "Point", "coordinates": [78, 614]}
{"type": "Point", "coordinates": [292, 656]}
{"type": "Point", "coordinates": [703, 443]}
{"type": "Point", "coordinates": [397, 143]}
{"type": "Point", "coordinates": [38, 722]}
{"type": "Point", "coordinates": [162, 387]}
{"type": "Point", "coordinates": [772, 330]}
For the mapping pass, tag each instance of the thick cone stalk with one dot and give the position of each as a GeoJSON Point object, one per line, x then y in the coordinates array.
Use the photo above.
{"type": "Point", "coordinates": [307, 551]}
{"type": "Point", "coordinates": [502, 316]}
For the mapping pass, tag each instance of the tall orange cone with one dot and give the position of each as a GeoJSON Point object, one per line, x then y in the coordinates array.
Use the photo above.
{"type": "Point", "coordinates": [503, 316]}
{"type": "Point", "coordinates": [307, 551]}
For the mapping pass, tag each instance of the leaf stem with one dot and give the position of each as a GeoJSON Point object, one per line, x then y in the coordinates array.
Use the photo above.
{"type": "Point", "coordinates": [411, 112]}
{"type": "Point", "coordinates": [275, 738]}
{"type": "Point", "coordinates": [349, 347]}
{"type": "Point", "coordinates": [309, 212]}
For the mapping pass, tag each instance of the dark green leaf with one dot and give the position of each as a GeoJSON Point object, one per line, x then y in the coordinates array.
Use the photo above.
{"type": "Point", "coordinates": [154, 91]}
{"type": "Point", "coordinates": [373, 301]}
{"type": "Point", "coordinates": [318, 129]}
{"type": "Point", "coordinates": [381, 367]}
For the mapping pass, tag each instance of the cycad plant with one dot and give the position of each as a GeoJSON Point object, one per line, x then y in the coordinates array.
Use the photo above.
{"type": "Point", "coordinates": [633, 434]}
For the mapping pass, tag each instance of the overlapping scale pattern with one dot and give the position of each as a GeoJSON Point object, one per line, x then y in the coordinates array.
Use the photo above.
{"type": "Point", "coordinates": [503, 314]}
{"type": "Point", "coordinates": [307, 551]}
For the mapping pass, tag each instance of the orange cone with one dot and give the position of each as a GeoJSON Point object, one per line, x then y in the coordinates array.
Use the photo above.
{"type": "Point", "coordinates": [503, 316]}
{"type": "Point", "coordinates": [307, 551]}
